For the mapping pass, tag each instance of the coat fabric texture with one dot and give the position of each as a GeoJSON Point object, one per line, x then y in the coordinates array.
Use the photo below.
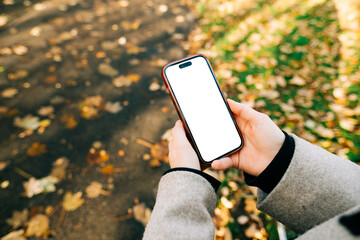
{"type": "Point", "coordinates": [315, 191]}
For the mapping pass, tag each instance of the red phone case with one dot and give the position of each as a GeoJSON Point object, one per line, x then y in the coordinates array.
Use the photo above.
{"type": "Point", "coordinates": [188, 132]}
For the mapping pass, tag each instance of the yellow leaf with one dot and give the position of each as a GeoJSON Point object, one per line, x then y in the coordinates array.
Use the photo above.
{"type": "Point", "coordinates": [72, 201]}
{"type": "Point", "coordinates": [94, 190]}
{"type": "Point", "coordinates": [142, 213]}
{"type": "Point", "coordinates": [133, 77]}
{"type": "Point", "coordinates": [38, 226]}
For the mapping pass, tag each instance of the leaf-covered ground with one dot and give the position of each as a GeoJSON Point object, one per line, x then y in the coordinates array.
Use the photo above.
{"type": "Point", "coordinates": [298, 62]}
{"type": "Point", "coordinates": [84, 115]}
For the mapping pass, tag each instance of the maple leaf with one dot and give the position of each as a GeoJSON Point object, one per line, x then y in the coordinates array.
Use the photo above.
{"type": "Point", "coordinates": [36, 149]}
{"type": "Point", "coordinates": [71, 202]}
{"type": "Point", "coordinates": [95, 189]}
{"type": "Point", "coordinates": [38, 226]}
{"type": "Point", "coordinates": [18, 218]}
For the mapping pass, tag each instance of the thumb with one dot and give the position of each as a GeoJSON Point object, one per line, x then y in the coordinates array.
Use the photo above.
{"type": "Point", "coordinates": [242, 110]}
{"type": "Point", "coordinates": [222, 164]}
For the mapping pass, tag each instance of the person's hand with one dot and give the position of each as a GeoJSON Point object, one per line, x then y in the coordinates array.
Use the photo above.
{"type": "Point", "coordinates": [181, 153]}
{"type": "Point", "coordinates": [262, 141]}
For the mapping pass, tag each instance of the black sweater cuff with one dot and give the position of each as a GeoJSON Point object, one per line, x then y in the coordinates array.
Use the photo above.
{"type": "Point", "coordinates": [214, 182]}
{"type": "Point", "coordinates": [271, 176]}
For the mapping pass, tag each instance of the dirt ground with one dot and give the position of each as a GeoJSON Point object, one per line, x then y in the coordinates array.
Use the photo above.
{"type": "Point", "coordinates": [66, 42]}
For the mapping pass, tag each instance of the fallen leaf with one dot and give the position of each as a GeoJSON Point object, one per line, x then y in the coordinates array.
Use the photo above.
{"type": "Point", "coordinates": [95, 189]}
{"type": "Point", "coordinates": [36, 149]}
{"type": "Point", "coordinates": [160, 151]}
{"type": "Point", "coordinates": [15, 235]}
{"type": "Point", "coordinates": [97, 156]}
{"type": "Point", "coordinates": [112, 107]}
{"type": "Point", "coordinates": [38, 226]}
{"type": "Point", "coordinates": [18, 218]}
{"type": "Point", "coordinates": [72, 201]}
{"type": "Point", "coordinates": [155, 163]}
{"type": "Point", "coordinates": [107, 69]}
{"type": "Point", "coordinates": [250, 206]}
{"type": "Point", "coordinates": [348, 124]}
{"type": "Point", "coordinates": [121, 153]}
{"type": "Point", "coordinates": [91, 106]}
{"type": "Point", "coordinates": [100, 55]}
{"type": "Point", "coordinates": [142, 213]}
{"type": "Point", "coordinates": [19, 74]}
{"type": "Point", "coordinates": [20, 49]}
{"type": "Point", "coordinates": [121, 81]}
{"type": "Point", "coordinates": [3, 20]}
{"type": "Point", "coordinates": [46, 111]}
{"type": "Point", "coordinates": [242, 220]}
{"type": "Point", "coordinates": [32, 187]}
{"type": "Point", "coordinates": [253, 232]}
{"type": "Point", "coordinates": [4, 184]}
{"type": "Point", "coordinates": [48, 184]}
{"type": "Point", "coordinates": [134, 77]}
{"type": "Point", "coordinates": [50, 79]}
{"type": "Point", "coordinates": [59, 168]}
{"type": "Point", "coordinates": [221, 217]}
{"type": "Point", "coordinates": [324, 132]}
{"type": "Point", "coordinates": [226, 202]}
{"type": "Point", "coordinates": [154, 86]}
{"type": "Point", "coordinates": [9, 92]}
{"type": "Point", "coordinates": [2, 165]}
{"type": "Point", "coordinates": [29, 122]}
{"type": "Point", "coordinates": [69, 120]}
{"type": "Point", "coordinates": [299, 81]}
{"type": "Point", "coordinates": [109, 169]}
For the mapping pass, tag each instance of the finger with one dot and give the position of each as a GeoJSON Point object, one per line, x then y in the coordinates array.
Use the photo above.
{"type": "Point", "coordinates": [242, 110]}
{"type": "Point", "coordinates": [222, 164]}
{"type": "Point", "coordinates": [178, 133]}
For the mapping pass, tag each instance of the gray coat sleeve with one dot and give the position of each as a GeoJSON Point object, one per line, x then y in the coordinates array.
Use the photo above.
{"type": "Point", "coordinates": [317, 187]}
{"type": "Point", "coordinates": [184, 204]}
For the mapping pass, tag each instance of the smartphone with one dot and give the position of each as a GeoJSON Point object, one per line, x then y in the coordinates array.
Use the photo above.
{"type": "Point", "coordinates": [202, 107]}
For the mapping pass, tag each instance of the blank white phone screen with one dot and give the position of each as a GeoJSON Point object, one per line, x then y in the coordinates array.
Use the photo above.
{"type": "Point", "coordinates": [203, 108]}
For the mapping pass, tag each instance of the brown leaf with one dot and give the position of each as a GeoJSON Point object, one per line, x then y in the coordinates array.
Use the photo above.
{"type": "Point", "coordinates": [69, 120]}
{"type": "Point", "coordinates": [97, 156]}
{"type": "Point", "coordinates": [109, 169]}
{"type": "Point", "coordinates": [160, 151]}
{"type": "Point", "coordinates": [36, 149]}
